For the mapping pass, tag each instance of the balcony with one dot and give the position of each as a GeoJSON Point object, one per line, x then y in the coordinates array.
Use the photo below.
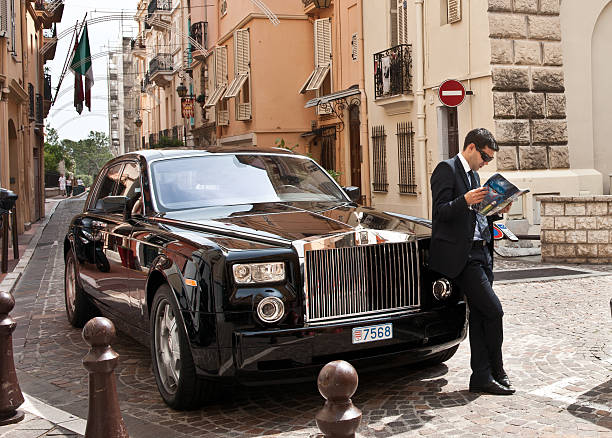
{"type": "Point", "coordinates": [393, 79]}
{"type": "Point", "coordinates": [158, 14]}
{"type": "Point", "coordinates": [146, 83]}
{"type": "Point", "coordinates": [199, 32]}
{"type": "Point", "coordinates": [39, 109]}
{"type": "Point", "coordinates": [311, 6]}
{"type": "Point", "coordinates": [138, 47]}
{"type": "Point", "coordinates": [49, 12]}
{"type": "Point", "coordinates": [161, 68]}
{"type": "Point", "coordinates": [49, 43]}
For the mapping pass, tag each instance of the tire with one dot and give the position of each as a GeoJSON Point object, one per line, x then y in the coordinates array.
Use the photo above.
{"type": "Point", "coordinates": [173, 365]}
{"type": "Point", "coordinates": [440, 357]}
{"type": "Point", "coordinates": [79, 309]}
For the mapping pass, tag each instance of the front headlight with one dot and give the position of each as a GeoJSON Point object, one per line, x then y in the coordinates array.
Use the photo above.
{"type": "Point", "coordinates": [442, 289]}
{"type": "Point", "coordinates": [259, 272]}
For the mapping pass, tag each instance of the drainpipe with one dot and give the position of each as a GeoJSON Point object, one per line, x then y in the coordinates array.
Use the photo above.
{"type": "Point", "coordinates": [364, 134]}
{"type": "Point", "coordinates": [420, 110]}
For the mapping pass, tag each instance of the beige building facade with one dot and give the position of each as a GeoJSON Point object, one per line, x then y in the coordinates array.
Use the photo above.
{"type": "Point", "coordinates": [509, 55]}
{"type": "Point", "coordinates": [27, 41]}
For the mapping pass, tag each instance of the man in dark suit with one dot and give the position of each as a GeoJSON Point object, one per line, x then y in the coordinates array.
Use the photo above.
{"type": "Point", "coordinates": [462, 249]}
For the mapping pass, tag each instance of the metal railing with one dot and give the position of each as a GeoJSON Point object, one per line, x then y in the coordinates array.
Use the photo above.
{"type": "Point", "coordinates": [31, 101]}
{"type": "Point", "coordinates": [39, 109]}
{"type": "Point", "coordinates": [158, 5]}
{"type": "Point", "coordinates": [161, 63]}
{"type": "Point", "coordinates": [47, 91]}
{"type": "Point", "coordinates": [393, 71]}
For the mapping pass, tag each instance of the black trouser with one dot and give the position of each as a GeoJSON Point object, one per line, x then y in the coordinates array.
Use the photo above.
{"type": "Point", "coordinates": [485, 320]}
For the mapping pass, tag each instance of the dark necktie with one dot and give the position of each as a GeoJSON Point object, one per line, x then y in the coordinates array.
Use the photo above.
{"type": "Point", "coordinates": [483, 224]}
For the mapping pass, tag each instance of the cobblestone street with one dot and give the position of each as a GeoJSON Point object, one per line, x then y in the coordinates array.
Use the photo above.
{"type": "Point", "coordinates": [558, 353]}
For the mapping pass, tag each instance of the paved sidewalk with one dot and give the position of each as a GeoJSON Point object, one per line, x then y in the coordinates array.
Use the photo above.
{"type": "Point", "coordinates": [558, 352]}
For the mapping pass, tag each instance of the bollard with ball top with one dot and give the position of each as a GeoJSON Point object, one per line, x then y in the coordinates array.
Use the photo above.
{"type": "Point", "coordinates": [104, 418]}
{"type": "Point", "coordinates": [10, 396]}
{"type": "Point", "coordinates": [337, 383]}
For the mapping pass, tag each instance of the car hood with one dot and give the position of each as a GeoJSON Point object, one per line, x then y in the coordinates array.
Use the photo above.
{"type": "Point", "coordinates": [290, 222]}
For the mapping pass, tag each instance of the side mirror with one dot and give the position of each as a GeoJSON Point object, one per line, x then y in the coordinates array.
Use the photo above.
{"type": "Point", "coordinates": [113, 204]}
{"type": "Point", "coordinates": [354, 193]}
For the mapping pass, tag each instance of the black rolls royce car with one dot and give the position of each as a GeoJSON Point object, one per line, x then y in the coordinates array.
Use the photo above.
{"type": "Point", "coordinates": [253, 264]}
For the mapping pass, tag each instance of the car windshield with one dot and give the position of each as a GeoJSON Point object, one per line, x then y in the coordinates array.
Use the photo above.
{"type": "Point", "coordinates": [231, 179]}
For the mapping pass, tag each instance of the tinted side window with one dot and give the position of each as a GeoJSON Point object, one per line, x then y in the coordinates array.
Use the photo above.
{"type": "Point", "coordinates": [107, 182]}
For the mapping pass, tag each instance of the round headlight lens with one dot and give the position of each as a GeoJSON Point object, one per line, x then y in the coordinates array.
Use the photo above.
{"type": "Point", "coordinates": [442, 289]}
{"type": "Point", "coordinates": [242, 273]}
{"type": "Point", "coordinates": [270, 309]}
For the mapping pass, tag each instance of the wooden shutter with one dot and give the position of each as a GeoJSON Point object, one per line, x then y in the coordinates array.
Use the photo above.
{"type": "Point", "coordinates": [323, 43]}
{"type": "Point", "coordinates": [393, 23]}
{"type": "Point", "coordinates": [243, 51]}
{"type": "Point", "coordinates": [454, 10]}
{"type": "Point", "coordinates": [402, 22]}
{"type": "Point", "coordinates": [220, 66]}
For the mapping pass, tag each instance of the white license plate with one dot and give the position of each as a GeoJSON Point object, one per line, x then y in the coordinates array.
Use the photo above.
{"type": "Point", "coordinates": [372, 333]}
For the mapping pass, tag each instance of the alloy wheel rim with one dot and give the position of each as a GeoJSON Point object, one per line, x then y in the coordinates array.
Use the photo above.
{"type": "Point", "coordinates": [167, 349]}
{"type": "Point", "coordinates": [70, 287]}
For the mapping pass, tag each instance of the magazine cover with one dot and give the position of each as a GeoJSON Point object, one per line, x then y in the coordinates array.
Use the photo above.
{"type": "Point", "coordinates": [501, 193]}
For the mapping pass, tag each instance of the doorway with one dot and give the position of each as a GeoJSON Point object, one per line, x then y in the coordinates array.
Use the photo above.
{"type": "Point", "coordinates": [448, 132]}
{"type": "Point", "coordinates": [355, 146]}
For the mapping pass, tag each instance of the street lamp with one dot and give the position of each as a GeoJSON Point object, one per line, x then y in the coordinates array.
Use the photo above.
{"type": "Point", "coordinates": [181, 90]}
{"type": "Point", "coordinates": [322, 4]}
{"type": "Point", "coordinates": [138, 122]}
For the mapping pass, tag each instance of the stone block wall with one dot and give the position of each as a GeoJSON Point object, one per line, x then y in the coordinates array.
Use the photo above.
{"type": "Point", "coordinates": [576, 229]}
{"type": "Point", "coordinates": [528, 91]}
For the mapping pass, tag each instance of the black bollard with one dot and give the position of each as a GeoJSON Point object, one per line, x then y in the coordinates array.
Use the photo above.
{"type": "Point", "coordinates": [10, 396]}
{"type": "Point", "coordinates": [104, 418]}
{"type": "Point", "coordinates": [337, 383]}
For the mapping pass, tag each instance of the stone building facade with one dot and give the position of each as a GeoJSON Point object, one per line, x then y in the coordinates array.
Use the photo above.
{"type": "Point", "coordinates": [528, 86]}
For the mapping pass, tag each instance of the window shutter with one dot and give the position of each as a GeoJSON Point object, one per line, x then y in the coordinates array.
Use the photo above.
{"type": "Point", "coordinates": [323, 46]}
{"type": "Point", "coordinates": [4, 21]}
{"type": "Point", "coordinates": [454, 11]}
{"type": "Point", "coordinates": [243, 51]}
{"type": "Point", "coordinates": [402, 22]}
{"type": "Point", "coordinates": [220, 65]}
{"type": "Point", "coordinates": [393, 23]}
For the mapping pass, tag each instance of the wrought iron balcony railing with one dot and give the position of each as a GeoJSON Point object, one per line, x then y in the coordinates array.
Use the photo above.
{"type": "Point", "coordinates": [161, 63]}
{"type": "Point", "coordinates": [199, 33]}
{"type": "Point", "coordinates": [39, 109]}
{"type": "Point", "coordinates": [158, 5]}
{"type": "Point", "coordinates": [31, 97]}
{"type": "Point", "coordinates": [146, 81]}
{"type": "Point", "coordinates": [393, 71]}
{"type": "Point", "coordinates": [47, 87]}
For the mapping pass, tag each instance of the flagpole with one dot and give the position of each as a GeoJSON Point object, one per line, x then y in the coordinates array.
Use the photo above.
{"type": "Point", "coordinates": [70, 53]}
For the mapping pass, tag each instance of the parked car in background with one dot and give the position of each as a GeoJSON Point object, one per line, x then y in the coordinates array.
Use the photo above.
{"type": "Point", "coordinates": [253, 264]}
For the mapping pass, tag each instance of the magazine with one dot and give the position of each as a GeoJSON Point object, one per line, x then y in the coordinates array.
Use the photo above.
{"type": "Point", "coordinates": [501, 193]}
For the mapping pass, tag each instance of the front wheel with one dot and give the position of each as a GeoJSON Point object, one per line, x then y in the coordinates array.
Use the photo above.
{"type": "Point", "coordinates": [79, 309]}
{"type": "Point", "coordinates": [173, 364]}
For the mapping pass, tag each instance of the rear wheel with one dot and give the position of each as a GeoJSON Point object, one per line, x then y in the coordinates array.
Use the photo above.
{"type": "Point", "coordinates": [173, 364]}
{"type": "Point", "coordinates": [79, 309]}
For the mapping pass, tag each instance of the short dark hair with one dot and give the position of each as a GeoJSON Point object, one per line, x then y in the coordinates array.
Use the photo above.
{"type": "Point", "coordinates": [481, 138]}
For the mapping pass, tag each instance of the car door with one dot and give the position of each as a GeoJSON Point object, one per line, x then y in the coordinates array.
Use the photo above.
{"type": "Point", "coordinates": [111, 277]}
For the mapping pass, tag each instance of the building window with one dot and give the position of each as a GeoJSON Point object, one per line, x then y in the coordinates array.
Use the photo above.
{"type": "Point", "coordinates": [450, 11]}
{"type": "Point", "coordinates": [240, 86]}
{"type": "Point", "coordinates": [328, 148]}
{"type": "Point", "coordinates": [223, 7]}
{"type": "Point", "coordinates": [379, 140]}
{"type": "Point", "coordinates": [405, 149]}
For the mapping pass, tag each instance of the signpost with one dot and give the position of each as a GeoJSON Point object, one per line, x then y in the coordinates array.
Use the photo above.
{"type": "Point", "coordinates": [451, 93]}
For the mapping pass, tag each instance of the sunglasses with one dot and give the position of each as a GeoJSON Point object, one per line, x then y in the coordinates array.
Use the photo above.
{"type": "Point", "coordinates": [486, 157]}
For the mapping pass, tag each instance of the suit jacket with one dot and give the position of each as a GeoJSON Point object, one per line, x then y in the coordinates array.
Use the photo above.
{"type": "Point", "coordinates": [453, 222]}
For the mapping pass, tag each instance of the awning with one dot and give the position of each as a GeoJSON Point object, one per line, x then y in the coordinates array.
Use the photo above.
{"type": "Point", "coordinates": [215, 96]}
{"type": "Point", "coordinates": [333, 96]}
{"type": "Point", "coordinates": [236, 85]}
{"type": "Point", "coordinates": [315, 79]}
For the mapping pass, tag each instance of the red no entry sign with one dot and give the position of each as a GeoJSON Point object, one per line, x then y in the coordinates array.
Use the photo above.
{"type": "Point", "coordinates": [451, 92]}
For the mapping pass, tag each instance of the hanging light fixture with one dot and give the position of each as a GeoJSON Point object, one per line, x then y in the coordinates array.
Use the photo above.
{"type": "Point", "coordinates": [138, 122]}
{"type": "Point", "coordinates": [181, 90]}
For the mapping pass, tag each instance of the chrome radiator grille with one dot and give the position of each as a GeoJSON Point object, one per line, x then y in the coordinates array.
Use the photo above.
{"type": "Point", "coordinates": [343, 282]}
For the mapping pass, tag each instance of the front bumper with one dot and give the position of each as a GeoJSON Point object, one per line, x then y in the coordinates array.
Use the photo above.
{"type": "Point", "coordinates": [297, 354]}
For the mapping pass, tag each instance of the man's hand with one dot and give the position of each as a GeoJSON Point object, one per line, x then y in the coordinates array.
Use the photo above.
{"type": "Point", "coordinates": [506, 209]}
{"type": "Point", "coordinates": [475, 196]}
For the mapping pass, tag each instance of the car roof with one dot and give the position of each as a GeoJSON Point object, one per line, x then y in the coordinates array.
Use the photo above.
{"type": "Point", "coordinates": [155, 154]}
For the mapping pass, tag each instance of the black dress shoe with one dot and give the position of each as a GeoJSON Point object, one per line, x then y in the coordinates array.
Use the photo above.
{"type": "Point", "coordinates": [492, 387]}
{"type": "Point", "coordinates": [503, 379]}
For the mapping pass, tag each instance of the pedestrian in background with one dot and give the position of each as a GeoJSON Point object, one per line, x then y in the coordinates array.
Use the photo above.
{"type": "Point", "coordinates": [462, 249]}
{"type": "Point", "coordinates": [68, 186]}
{"type": "Point", "coordinates": [62, 185]}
